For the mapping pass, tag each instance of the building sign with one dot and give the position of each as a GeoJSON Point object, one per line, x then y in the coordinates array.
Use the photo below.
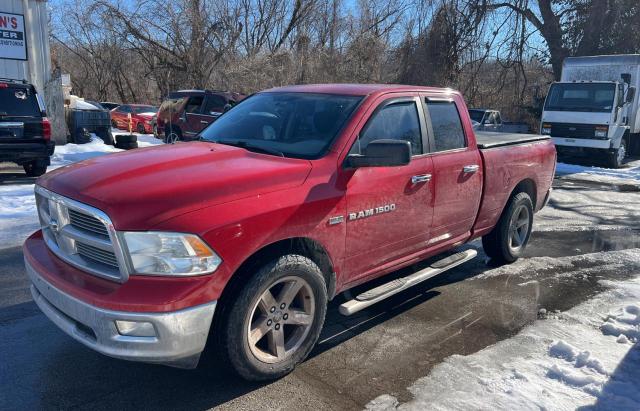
{"type": "Point", "coordinates": [13, 44]}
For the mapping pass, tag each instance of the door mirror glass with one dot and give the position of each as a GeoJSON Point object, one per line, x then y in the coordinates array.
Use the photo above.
{"type": "Point", "coordinates": [382, 153]}
{"type": "Point", "coordinates": [631, 94]}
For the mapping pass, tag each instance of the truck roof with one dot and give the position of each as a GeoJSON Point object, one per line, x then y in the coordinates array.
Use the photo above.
{"type": "Point", "coordinates": [604, 60]}
{"type": "Point", "coordinates": [355, 89]}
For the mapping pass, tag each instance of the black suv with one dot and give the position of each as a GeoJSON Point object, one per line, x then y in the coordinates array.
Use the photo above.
{"type": "Point", "coordinates": [25, 131]}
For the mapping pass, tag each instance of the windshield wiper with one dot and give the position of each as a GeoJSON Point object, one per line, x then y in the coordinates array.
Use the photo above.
{"type": "Point", "coordinates": [249, 146]}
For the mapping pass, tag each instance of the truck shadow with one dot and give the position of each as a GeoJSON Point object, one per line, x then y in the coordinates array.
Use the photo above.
{"type": "Point", "coordinates": [622, 389]}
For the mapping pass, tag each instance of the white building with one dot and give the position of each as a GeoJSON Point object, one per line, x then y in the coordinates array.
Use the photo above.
{"type": "Point", "coordinates": [24, 54]}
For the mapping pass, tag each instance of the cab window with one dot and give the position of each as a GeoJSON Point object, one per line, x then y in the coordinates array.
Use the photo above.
{"type": "Point", "coordinates": [447, 126]}
{"type": "Point", "coordinates": [396, 121]}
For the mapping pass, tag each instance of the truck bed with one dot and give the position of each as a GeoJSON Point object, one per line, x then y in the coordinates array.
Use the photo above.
{"type": "Point", "coordinates": [488, 139]}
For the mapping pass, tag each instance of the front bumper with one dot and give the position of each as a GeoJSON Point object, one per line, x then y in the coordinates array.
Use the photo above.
{"type": "Point", "coordinates": [582, 142]}
{"type": "Point", "coordinates": [180, 336]}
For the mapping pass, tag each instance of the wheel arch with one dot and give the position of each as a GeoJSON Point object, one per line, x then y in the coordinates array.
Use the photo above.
{"type": "Point", "coordinates": [528, 186]}
{"type": "Point", "coordinates": [304, 246]}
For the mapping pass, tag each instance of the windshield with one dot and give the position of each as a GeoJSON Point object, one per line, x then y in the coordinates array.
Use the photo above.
{"type": "Point", "coordinates": [595, 97]}
{"type": "Point", "coordinates": [299, 125]}
{"type": "Point", "coordinates": [144, 109]}
{"type": "Point", "coordinates": [476, 115]}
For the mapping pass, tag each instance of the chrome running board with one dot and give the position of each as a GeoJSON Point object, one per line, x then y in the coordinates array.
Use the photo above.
{"type": "Point", "coordinates": [393, 287]}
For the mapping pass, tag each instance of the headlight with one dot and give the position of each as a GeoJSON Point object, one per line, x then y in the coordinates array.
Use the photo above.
{"type": "Point", "coordinates": [158, 253]}
{"type": "Point", "coordinates": [601, 131]}
{"type": "Point", "coordinates": [545, 129]}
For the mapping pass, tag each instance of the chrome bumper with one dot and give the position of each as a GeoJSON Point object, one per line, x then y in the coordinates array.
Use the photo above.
{"type": "Point", "coordinates": [582, 142]}
{"type": "Point", "coordinates": [180, 336]}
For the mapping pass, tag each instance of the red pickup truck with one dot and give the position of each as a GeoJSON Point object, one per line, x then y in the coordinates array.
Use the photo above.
{"type": "Point", "coordinates": [239, 240]}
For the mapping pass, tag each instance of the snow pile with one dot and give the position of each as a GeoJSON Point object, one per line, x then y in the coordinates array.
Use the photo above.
{"type": "Point", "coordinates": [627, 175]}
{"type": "Point", "coordinates": [624, 323]}
{"type": "Point", "coordinates": [582, 357]}
{"type": "Point", "coordinates": [18, 217]}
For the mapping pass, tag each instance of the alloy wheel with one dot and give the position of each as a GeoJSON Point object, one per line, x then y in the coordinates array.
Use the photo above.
{"type": "Point", "coordinates": [281, 319]}
{"type": "Point", "coordinates": [519, 228]}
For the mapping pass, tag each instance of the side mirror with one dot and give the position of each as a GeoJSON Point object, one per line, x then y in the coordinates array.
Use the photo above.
{"type": "Point", "coordinates": [382, 153]}
{"type": "Point", "coordinates": [227, 107]}
{"type": "Point", "coordinates": [631, 93]}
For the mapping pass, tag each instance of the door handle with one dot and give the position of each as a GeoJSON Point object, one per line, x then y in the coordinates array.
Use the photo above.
{"type": "Point", "coordinates": [204, 122]}
{"type": "Point", "coordinates": [423, 178]}
{"type": "Point", "coordinates": [471, 168]}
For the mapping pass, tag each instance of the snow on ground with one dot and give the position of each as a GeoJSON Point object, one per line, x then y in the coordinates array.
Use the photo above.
{"type": "Point", "coordinates": [629, 174]}
{"type": "Point", "coordinates": [18, 218]}
{"type": "Point", "coordinates": [579, 208]}
{"type": "Point", "coordinates": [587, 356]}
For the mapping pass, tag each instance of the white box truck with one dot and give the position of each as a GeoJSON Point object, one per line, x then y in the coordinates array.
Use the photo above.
{"type": "Point", "coordinates": [593, 110]}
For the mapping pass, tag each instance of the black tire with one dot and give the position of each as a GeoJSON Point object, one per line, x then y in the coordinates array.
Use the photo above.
{"type": "Point", "coordinates": [172, 135]}
{"type": "Point", "coordinates": [106, 136]}
{"type": "Point", "coordinates": [127, 146]}
{"type": "Point", "coordinates": [617, 157]}
{"type": "Point", "coordinates": [498, 244]}
{"type": "Point", "coordinates": [35, 168]}
{"type": "Point", "coordinates": [140, 128]}
{"type": "Point", "coordinates": [114, 124]}
{"type": "Point", "coordinates": [126, 138]}
{"type": "Point", "coordinates": [234, 337]}
{"type": "Point", "coordinates": [81, 136]}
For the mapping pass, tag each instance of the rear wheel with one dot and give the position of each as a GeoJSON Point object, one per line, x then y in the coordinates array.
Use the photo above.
{"type": "Point", "coordinates": [508, 239]}
{"type": "Point", "coordinates": [35, 168]}
{"type": "Point", "coordinates": [275, 320]}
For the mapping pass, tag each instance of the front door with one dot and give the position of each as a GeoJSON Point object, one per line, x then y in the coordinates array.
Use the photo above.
{"type": "Point", "coordinates": [458, 170]}
{"type": "Point", "coordinates": [195, 120]}
{"type": "Point", "coordinates": [389, 209]}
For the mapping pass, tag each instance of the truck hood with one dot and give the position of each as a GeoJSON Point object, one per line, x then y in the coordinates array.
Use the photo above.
{"type": "Point", "coordinates": [140, 188]}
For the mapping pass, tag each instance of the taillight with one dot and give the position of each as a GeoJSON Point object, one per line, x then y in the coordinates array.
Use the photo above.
{"type": "Point", "coordinates": [4, 85]}
{"type": "Point", "coordinates": [46, 129]}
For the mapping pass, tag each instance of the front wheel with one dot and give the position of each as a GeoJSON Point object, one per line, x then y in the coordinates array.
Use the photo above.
{"type": "Point", "coordinates": [617, 156]}
{"type": "Point", "coordinates": [275, 320]}
{"type": "Point", "coordinates": [508, 239]}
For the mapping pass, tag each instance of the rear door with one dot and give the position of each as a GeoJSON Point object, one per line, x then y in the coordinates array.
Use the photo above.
{"type": "Point", "coordinates": [389, 209]}
{"type": "Point", "coordinates": [20, 113]}
{"type": "Point", "coordinates": [213, 107]}
{"type": "Point", "coordinates": [457, 176]}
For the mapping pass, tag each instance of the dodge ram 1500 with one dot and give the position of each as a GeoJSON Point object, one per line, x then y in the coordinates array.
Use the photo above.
{"type": "Point", "coordinates": [240, 240]}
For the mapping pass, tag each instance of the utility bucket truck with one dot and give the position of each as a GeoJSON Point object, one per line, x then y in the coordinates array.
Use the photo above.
{"type": "Point", "coordinates": [593, 110]}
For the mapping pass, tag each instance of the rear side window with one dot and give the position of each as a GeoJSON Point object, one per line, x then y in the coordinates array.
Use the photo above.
{"type": "Point", "coordinates": [18, 101]}
{"type": "Point", "coordinates": [194, 104]}
{"type": "Point", "coordinates": [398, 121]}
{"type": "Point", "coordinates": [215, 104]}
{"type": "Point", "coordinates": [447, 127]}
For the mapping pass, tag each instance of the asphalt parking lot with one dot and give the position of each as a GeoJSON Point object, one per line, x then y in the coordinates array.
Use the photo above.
{"type": "Point", "coordinates": [380, 350]}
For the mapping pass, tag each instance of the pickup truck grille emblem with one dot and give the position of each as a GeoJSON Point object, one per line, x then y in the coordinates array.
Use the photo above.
{"type": "Point", "coordinates": [370, 212]}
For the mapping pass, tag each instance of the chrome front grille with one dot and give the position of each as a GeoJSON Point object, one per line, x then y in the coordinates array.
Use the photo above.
{"type": "Point", "coordinates": [94, 253]}
{"type": "Point", "coordinates": [88, 223]}
{"type": "Point", "coordinates": [81, 235]}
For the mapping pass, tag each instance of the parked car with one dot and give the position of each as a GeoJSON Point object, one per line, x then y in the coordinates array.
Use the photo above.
{"type": "Point", "coordinates": [109, 105]}
{"type": "Point", "coordinates": [292, 197]}
{"type": "Point", "coordinates": [491, 120]}
{"type": "Point", "coordinates": [184, 114]}
{"type": "Point", "coordinates": [141, 115]}
{"type": "Point", "coordinates": [25, 131]}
